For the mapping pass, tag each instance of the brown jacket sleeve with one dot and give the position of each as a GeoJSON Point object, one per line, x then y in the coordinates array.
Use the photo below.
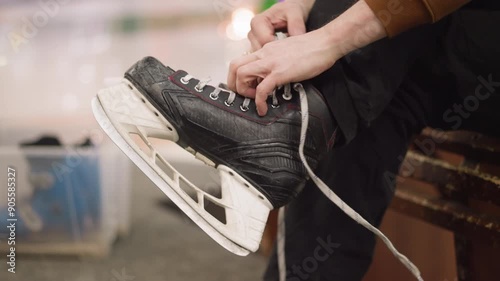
{"type": "Point", "coordinates": [401, 15]}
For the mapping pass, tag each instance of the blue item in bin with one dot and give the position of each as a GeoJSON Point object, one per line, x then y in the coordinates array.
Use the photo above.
{"type": "Point", "coordinates": [71, 206]}
{"type": "Point", "coordinates": [65, 204]}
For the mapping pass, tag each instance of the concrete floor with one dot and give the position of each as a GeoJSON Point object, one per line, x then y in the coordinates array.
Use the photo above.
{"type": "Point", "coordinates": [162, 245]}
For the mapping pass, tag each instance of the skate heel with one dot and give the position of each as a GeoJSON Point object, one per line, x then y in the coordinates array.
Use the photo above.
{"type": "Point", "coordinates": [242, 211]}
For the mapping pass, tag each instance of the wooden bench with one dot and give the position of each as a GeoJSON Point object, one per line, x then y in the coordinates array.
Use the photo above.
{"type": "Point", "coordinates": [452, 180]}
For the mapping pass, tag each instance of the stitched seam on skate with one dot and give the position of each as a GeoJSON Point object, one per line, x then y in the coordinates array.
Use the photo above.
{"type": "Point", "coordinates": [173, 79]}
{"type": "Point", "coordinates": [289, 107]}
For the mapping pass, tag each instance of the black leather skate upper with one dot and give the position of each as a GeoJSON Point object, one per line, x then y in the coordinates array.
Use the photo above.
{"type": "Point", "coordinates": [264, 150]}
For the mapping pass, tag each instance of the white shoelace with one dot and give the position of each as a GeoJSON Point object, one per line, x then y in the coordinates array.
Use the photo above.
{"type": "Point", "coordinates": [333, 197]}
{"type": "Point", "coordinates": [214, 95]}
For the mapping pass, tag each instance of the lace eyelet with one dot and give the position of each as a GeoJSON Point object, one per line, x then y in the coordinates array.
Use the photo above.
{"type": "Point", "coordinates": [244, 108]}
{"type": "Point", "coordinates": [198, 89]}
{"type": "Point", "coordinates": [287, 97]}
{"type": "Point", "coordinates": [213, 97]}
{"type": "Point", "coordinates": [184, 81]}
{"type": "Point", "coordinates": [228, 104]}
{"type": "Point", "coordinates": [275, 106]}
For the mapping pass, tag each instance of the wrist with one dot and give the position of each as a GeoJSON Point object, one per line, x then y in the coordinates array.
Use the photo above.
{"type": "Point", "coordinates": [330, 45]}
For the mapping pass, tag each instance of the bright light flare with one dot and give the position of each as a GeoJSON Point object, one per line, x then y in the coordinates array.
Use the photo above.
{"type": "Point", "coordinates": [239, 26]}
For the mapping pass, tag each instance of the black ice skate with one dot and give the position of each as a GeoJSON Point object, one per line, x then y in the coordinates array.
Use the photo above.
{"type": "Point", "coordinates": [257, 157]}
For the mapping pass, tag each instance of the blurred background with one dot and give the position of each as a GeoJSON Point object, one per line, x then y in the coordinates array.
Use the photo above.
{"type": "Point", "coordinates": [85, 213]}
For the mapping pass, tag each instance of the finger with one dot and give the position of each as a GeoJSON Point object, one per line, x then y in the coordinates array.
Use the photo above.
{"type": "Point", "coordinates": [255, 45]}
{"type": "Point", "coordinates": [263, 29]}
{"type": "Point", "coordinates": [233, 68]}
{"type": "Point", "coordinates": [249, 93]}
{"type": "Point", "coordinates": [262, 92]}
{"type": "Point", "coordinates": [247, 75]}
{"type": "Point", "coordinates": [295, 23]}
{"type": "Point", "coordinates": [246, 87]}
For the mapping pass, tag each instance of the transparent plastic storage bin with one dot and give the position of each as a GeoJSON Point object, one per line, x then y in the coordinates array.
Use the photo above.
{"type": "Point", "coordinates": [69, 200]}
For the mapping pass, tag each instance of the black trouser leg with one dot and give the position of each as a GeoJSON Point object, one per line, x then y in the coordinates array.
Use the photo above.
{"type": "Point", "coordinates": [322, 243]}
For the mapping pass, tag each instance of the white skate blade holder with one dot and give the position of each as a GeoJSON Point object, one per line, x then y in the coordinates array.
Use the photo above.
{"type": "Point", "coordinates": [122, 112]}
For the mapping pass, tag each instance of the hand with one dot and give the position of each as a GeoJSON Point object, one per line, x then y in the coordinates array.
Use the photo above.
{"type": "Point", "coordinates": [293, 59]}
{"type": "Point", "coordinates": [300, 57]}
{"type": "Point", "coordinates": [290, 15]}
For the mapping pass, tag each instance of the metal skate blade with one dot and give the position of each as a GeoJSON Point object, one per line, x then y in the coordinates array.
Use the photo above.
{"type": "Point", "coordinates": [121, 111]}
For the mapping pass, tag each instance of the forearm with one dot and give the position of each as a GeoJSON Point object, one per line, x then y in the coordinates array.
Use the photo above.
{"type": "Point", "coordinates": [355, 28]}
{"type": "Point", "coordinates": [370, 20]}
